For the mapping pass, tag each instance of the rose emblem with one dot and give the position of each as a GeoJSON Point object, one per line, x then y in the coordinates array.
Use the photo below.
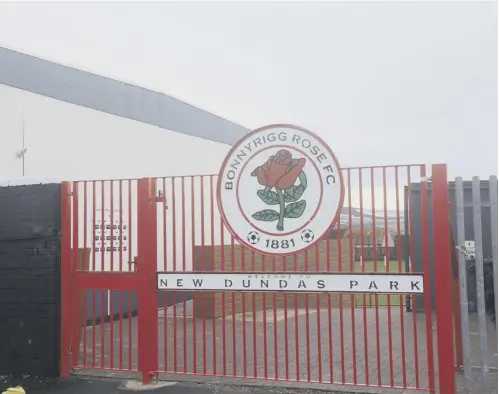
{"type": "Point", "coordinates": [281, 172]}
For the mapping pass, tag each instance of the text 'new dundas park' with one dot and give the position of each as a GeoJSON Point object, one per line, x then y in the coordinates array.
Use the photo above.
{"type": "Point", "coordinates": [320, 282]}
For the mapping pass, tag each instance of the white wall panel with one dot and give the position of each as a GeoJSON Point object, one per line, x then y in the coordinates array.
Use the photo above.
{"type": "Point", "coordinates": [71, 142]}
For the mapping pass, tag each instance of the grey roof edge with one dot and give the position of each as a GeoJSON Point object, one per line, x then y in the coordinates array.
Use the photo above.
{"type": "Point", "coordinates": [114, 97]}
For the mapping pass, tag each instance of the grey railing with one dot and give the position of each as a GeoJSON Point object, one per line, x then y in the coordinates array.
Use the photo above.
{"type": "Point", "coordinates": [470, 245]}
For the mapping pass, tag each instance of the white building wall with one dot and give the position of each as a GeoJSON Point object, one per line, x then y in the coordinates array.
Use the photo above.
{"type": "Point", "coordinates": [73, 142]}
{"type": "Point", "coordinates": [69, 142]}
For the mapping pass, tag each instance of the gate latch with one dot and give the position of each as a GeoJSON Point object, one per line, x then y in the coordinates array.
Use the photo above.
{"type": "Point", "coordinates": [161, 198]}
{"type": "Point", "coordinates": [134, 263]}
{"type": "Point", "coordinates": [467, 254]}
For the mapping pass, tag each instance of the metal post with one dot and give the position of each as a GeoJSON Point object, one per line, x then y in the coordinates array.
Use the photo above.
{"type": "Point", "coordinates": [463, 286]}
{"type": "Point", "coordinates": [493, 232]}
{"type": "Point", "coordinates": [480, 287]}
{"type": "Point", "coordinates": [443, 290]}
{"type": "Point", "coordinates": [66, 282]}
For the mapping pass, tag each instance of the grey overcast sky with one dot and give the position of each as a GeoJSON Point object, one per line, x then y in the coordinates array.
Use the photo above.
{"type": "Point", "coordinates": [382, 83]}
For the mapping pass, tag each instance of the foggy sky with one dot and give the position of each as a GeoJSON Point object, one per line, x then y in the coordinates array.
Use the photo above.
{"type": "Point", "coordinates": [382, 83]}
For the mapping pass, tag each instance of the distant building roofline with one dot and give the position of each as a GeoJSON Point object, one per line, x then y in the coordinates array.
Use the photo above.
{"type": "Point", "coordinates": [114, 97]}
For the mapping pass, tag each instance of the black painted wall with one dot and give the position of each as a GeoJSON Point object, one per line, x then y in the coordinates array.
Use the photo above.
{"type": "Point", "coordinates": [469, 232]}
{"type": "Point", "coordinates": [30, 220]}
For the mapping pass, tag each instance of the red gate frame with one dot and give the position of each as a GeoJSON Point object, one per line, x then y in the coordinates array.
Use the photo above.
{"type": "Point", "coordinates": [143, 280]}
{"type": "Point", "coordinates": [443, 276]}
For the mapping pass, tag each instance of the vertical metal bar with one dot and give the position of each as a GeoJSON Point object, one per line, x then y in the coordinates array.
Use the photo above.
{"type": "Point", "coordinates": [411, 260]}
{"type": "Point", "coordinates": [130, 332]}
{"type": "Point", "coordinates": [375, 258]}
{"type": "Point", "coordinates": [443, 292]}
{"type": "Point", "coordinates": [130, 235]}
{"type": "Point", "coordinates": [120, 329]}
{"type": "Point", "coordinates": [94, 328]}
{"type": "Point", "coordinates": [342, 334]}
{"type": "Point", "coordinates": [399, 258]}
{"type": "Point", "coordinates": [151, 268]}
{"type": "Point", "coordinates": [184, 268]}
{"type": "Point", "coordinates": [352, 269]}
{"type": "Point", "coordinates": [480, 286]}
{"type": "Point", "coordinates": [363, 265]}
{"type": "Point", "coordinates": [66, 284]}
{"type": "Point", "coordinates": [94, 224]}
{"type": "Point", "coordinates": [174, 258]}
{"type": "Point", "coordinates": [111, 219]}
{"type": "Point", "coordinates": [463, 286]}
{"type": "Point", "coordinates": [242, 252]}
{"type": "Point", "coordinates": [458, 334]}
{"type": "Point", "coordinates": [286, 336]}
{"type": "Point", "coordinates": [85, 259]}
{"type": "Point", "coordinates": [493, 232]}
{"type": "Point", "coordinates": [233, 299]}
{"type": "Point", "coordinates": [387, 269]}
{"type": "Point", "coordinates": [212, 234]}
{"type": "Point", "coordinates": [329, 305]}
{"type": "Point", "coordinates": [94, 301]}
{"type": "Point", "coordinates": [103, 310]}
{"type": "Point", "coordinates": [74, 271]}
{"type": "Point", "coordinates": [307, 325]}
{"type": "Point", "coordinates": [319, 326]}
{"type": "Point", "coordinates": [103, 227]}
{"type": "Point", "coordinates": [297, 336]}
{"type": "Point", "coordinates": [274, 305]}
{"type": "Point", "coordinates": [203, 268]}
{"type": "Point", "coordinates": [120, 232]}
{"type": "Point", "coordinates": [165, 231]}
{"type": "Point", "coordinates": [194, 263]}
{"type": "Point", "coordinates": [264, 324]}
{"type": "Point", "coordinates": [427, 284]}
{"type": "Point", "coordinates": [120, 298]}
{"type": "Point", "coordinates": [165, 268]}
{"type": "Point", "coordinates": [111, 292]}
{"type": "Point", "coordinates": [253, 303]}
{"type": "Point", "coordinates": [224, 297]}
{"type": "Point", "coordinates": [142, 208]}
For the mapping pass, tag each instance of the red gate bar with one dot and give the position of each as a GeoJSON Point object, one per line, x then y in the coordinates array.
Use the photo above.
{"type": "Point", "coordinates": [443, 269]}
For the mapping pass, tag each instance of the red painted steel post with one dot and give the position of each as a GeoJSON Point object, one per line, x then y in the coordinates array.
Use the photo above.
{"type": "Point", "coordinates": [427, 284]}
{"type": "Point", "coordinates": [143, 325]}
{"type": "Point", "coordinates": [75, 325]}
{"type": "Point", "coordinates": [443, 293]}
{"type": "Point", "coordinates": [65, 279]}
{"type": "Point", "coordinates": [151, 268]}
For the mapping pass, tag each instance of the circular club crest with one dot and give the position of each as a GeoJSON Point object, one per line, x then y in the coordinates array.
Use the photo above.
{"type": "Point", "coordinates": [280, 189]}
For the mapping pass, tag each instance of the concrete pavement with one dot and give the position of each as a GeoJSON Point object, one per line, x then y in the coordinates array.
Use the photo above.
{"type": "Point", "coordinates": [114, 386]}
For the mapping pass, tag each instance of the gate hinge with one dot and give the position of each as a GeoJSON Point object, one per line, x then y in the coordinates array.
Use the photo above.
{"type": "Point", "coordinates": [161, 198]}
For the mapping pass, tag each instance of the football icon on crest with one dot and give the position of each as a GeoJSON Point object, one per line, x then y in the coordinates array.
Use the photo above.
{"type": "Point", "coordinates": [307, 235]}
{"type": "Point", "coordinates": [253, 237]}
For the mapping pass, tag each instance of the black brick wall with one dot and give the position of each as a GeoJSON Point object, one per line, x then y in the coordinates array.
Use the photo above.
{"type": "Point", "coordinates": [30, 220]}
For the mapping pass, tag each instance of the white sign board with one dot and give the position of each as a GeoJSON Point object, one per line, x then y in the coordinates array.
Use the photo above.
{"type": "Point", "coordinates": [470, 248]}
{"type": "Point", "coordinates": [280, 189]}
{"type": "Point", "coordinates": [293, 282]}
{"type": "Point", "coordinates": [109, 234]}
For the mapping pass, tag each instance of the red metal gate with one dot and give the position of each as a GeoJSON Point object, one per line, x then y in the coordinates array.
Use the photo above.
{"type": "Point", "coordinates": [113, 317]}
